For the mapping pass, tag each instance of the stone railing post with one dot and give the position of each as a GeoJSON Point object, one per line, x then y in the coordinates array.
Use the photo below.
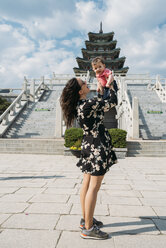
{"type": "Point", "coordinates": [32, 91]}
{"type": "Point", "coordinates": [43, 85]}
{"type": "Point", "coordinates": [24, 88]}
{"type": "Point", "coordinates": [58, 120]}
{"type": "Point", "coordinates": [135, 119]}
{"type": "Point", "coordinates": [157, 82]}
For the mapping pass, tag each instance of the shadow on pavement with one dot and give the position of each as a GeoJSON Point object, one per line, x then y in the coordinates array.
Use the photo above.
{"type": "Point", "coordinates": [155, 224]}
{"type": "Point", "coordinates": [28, 177]}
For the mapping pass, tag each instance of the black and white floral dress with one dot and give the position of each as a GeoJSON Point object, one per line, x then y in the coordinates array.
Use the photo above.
{"type": "Point", "coordinates": [97, 155]}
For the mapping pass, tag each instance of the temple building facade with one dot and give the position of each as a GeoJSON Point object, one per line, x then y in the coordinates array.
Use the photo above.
{"type": "Point", "coordinates": [101, 44]}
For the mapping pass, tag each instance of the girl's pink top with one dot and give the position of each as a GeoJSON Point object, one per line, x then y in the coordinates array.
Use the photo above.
{"type": "Point", "coordinates": [102, 78]}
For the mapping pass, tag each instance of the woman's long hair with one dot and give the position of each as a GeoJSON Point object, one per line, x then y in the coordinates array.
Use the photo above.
{"type": "Point", "coordinates": [69, 100]}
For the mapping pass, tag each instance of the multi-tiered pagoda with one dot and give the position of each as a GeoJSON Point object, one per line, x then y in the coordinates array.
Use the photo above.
{"type": "Point", "coordinates": [101, 44]}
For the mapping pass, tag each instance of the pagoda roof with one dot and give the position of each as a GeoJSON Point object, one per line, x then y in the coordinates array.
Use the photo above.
{"type": "Point", "coordinates": [93, 36]}
{"type": "Point", "coordinates": [87, 42]}
{"type": "Point", "coordinates": [106, 61]}
{"type": "Point", "coordinates": [100, 53]}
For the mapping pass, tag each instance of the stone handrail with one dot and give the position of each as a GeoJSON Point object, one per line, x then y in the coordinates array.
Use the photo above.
{"type": "Point", "coordinates": [40, 90]}
{"type": "Point", "coordinates": [127, 116]}
{"type": "Point", "coordinates": [11, 113]}
{"type": "Point", "coordinates": [9, 89]}
{"type": "Point", "coordinates": [27, 94]}
{"type": "Point", "coordinates": [161, 92]}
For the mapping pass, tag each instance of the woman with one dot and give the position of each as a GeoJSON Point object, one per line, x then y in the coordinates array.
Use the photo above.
{"type": "Point", "coordinates": [96, 153]}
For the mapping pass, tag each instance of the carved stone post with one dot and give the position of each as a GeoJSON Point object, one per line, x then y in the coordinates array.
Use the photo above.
{"type": "Point", "coordinates": [58, 120]}
{"type": "Point", "coordinates": [24, 88]}
{"type": "Point", "coordinates": [135, 120]}
{"type": "Point", "coordinates": [32, 91]}
{"type": "Point", "coordinates": [157, 82]}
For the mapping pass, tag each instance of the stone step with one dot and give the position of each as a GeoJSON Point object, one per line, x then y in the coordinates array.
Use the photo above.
{"type": "Point", "coordinates": [32, 146]}
{"type": "Point", "coordinates": [36, 121]}
{"type": "Point", "coordinates": [146, 148]}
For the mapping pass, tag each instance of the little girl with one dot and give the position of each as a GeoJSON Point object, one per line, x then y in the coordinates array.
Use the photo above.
{"type": "Point", "coordinates": [103, 75]}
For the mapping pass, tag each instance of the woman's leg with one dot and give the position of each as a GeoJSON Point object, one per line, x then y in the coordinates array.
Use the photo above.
{"type": "Point", "coordinates": [90, 199]}
{"type": "Point", "coordinates": [83, 192]}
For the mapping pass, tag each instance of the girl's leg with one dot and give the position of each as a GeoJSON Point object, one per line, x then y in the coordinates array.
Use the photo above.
{"type": "Point", "coordinates": [90, 200]}
{"type": "Point", "coordinates": [83, 192]}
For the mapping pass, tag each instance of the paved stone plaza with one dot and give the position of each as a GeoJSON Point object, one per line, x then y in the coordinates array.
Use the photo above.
{"type": "Point", "coordinates": [39, 203]}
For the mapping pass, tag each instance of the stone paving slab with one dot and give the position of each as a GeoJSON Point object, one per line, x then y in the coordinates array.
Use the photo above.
{"type": "Point", "coordinates": [76, 199]}
{"type": "Point", "coordinates": [124, 193]}
{"type": "Point", "coordinates": [8, 189]}
{"type": "Point", "coordinates": [131, 211]}
{"type": "Point", "coordinates": [29, 190]}
{"type": "Point", "coordinates": [69, 222]}
{"type": "Point", "coordinates": [61, 191]}
{"type": "Point", "coordinates": [63, 184]}
{"type": "Point", "coordinates": [31, 221]}
{"type": "Point", "coordinates": [152, 194]}
{"type": "Point", "coordinates": [152, 202]}
{"type": "Point", "coordinates": [73, 240]}
{"type": "Point", "coordinates": [120, 200]}
{"type": "Point", "coordinates": [16, 198]}
{"type": "Point", "coordinates": [39, 203]}
{"type": "Point", "coordinates": [49, 208]}
{"type": "Point", "coordinates": [116, 187]}
{"type": "Point", "coordinates": [29, 239]}
{"type": "Point", "coordinates": [143, 241]}
{"type": "Point", "coordinates": [160, 211]}
{"type": "Point", "coordinates": [50, 198]}
{"type": "Point", "coordinates": [4, 217]}
{"type": "Point", "coordinates": [10, 207]}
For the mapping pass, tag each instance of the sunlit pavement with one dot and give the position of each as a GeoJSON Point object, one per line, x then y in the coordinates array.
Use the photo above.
{"type": "Point", "coordinates": [39, 203]}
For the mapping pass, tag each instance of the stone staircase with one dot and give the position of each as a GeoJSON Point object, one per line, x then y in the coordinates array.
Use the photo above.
{"type": "Point", "coordinates": [33, 131]}
{"type": "Point", "coordinates": [152, 112]}
{"type": "Point", "coordinates": [37, 120]}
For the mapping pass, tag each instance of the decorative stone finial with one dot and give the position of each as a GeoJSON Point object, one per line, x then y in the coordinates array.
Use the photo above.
{"type": "Point", "coordinates": [101, 31]}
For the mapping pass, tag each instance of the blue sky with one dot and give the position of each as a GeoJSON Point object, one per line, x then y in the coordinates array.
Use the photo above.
{"type": "Point", "coordinates": [39, 37]}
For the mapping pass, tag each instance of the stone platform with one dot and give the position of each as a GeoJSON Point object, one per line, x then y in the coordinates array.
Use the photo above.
{"type": "Point", "coordinates": [39, 203]}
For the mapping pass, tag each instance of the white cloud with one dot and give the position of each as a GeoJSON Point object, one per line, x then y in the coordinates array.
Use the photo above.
{"type": "Point", "coordinates": [32, 47]}
{"type": "Point", "coordinates": [20, 56]}
{"type": "Point", "coordinates": [76, 41]}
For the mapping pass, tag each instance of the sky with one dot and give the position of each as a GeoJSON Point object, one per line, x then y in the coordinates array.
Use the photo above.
{"type": "Point", "coordinates": [39, 37]}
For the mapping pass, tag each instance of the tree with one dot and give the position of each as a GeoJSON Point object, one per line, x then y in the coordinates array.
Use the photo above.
{"type": "Point", "coordinates": [4, 104]}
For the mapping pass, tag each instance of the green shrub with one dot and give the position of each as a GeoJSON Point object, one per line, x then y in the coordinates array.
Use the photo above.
{"type": "Point", "coordinates": [4, 104]}
{"type": "Point", "coordinates": [118, 137]}
{"type": "Point", "coordinates": [77, 144]}
{"type": "Point", "coordinates": [72, 135]}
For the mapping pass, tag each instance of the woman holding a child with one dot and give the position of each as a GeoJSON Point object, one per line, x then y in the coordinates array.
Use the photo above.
{"type": "Point", "coordinates": [97, 155]}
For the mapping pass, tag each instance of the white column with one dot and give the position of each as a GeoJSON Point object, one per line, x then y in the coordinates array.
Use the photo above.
{"type": "Point", "coordinates": [135, 119]}
{"type": "Point", "coordinates": [58, 120]}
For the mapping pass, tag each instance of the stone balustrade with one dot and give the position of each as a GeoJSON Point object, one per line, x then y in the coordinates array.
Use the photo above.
{"type": "Point", "coordinates": [160, 90]}
{"type": "Point", "coordinates": [11, 113]}
{"type": "Point", "coordinates": [28, 93]}
{"type": "Point", "coordinates": [128, 117]}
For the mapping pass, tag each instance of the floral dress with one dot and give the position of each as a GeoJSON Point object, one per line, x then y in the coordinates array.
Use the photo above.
{"type": "Point", "coordinates": [97, 155]}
